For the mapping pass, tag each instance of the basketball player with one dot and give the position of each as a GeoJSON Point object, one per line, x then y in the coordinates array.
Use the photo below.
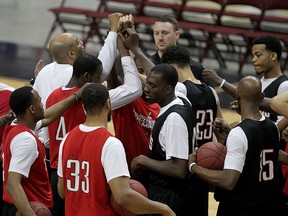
{"type": "Point", "coordinates": [248, 179]}
{"type": "Point", "coordinates": [170, 143]}
{"type": "Point", "coordinates": [266, 59]}
{"type": "Point", "coordinates": [205, 103]}
{"type": "Point", "coordinates": [25, 173]}
{"type": "Point", "coordinates": [92, 164]}
{"type": "Point", "coordinates": [87, 68]}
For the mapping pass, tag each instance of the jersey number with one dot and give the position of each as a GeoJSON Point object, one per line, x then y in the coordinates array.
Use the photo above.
{"type": "Point", "coordinates": [78, 182]}
{"type": "Point", "coordinates": [204, 117]}
{"type": "Point", "coordinates": [268, 173]}
{"type": "Point", "coordinates": [61, 130]}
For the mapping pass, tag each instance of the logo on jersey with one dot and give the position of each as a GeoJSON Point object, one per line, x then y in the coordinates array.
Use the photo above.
{"type": "Point", "coordinates": [145, 121]}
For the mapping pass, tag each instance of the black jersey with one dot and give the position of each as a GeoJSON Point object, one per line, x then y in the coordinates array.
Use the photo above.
{"type": "Point", "coordinates": [272, 91]}
{"type": "Point", "coordinates": [204, 105]}
{"type": "Point", "coordinates": [174, 192]}
{"type": "Point", "coordinates": [255, 188]}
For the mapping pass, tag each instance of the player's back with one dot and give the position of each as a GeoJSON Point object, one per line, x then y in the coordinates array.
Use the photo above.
{"type": "Point", "coordinates": [83, 173]}
{"type": "Point", "coordinates": [204, 105]}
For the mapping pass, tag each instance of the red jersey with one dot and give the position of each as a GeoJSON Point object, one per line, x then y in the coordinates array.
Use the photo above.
{"type": "Point", "coordinates": [86, 188]}
{"type": "Point", "coordinates": [133, 125]}
{"type": "Point", "coordinates": [4, 106]}
{"type": "Point", "coordinates": [285, 174]}
{"type": "Point", "coordinates": [36, 186]}
{"type": "Point", "coordinates": [72, 117]}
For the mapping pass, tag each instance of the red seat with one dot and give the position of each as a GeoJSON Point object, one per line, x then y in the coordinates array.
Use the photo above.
{"type": "Point", "coordinates": [70, 18]}
{"type": "Point", "coordinates": [275, 22]}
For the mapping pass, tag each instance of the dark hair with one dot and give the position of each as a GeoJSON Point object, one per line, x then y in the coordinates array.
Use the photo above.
{"type": "Point", "coordinates": [167, 72]}
{"type": "Point", "coordinates": [271, 42]}
{"type": "Point", "coordinates": [94, 97]}
{"type": "Point", "coordinates": [170, 19]}
{"type": "Point", "coordinates": [21, 99]}
{"type": "Point", "coordinates": [86, 63]}
{"type": "Point", "coordinates": [176, 55]}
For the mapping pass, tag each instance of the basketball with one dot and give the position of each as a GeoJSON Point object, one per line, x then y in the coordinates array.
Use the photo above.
{"type": "Point", "coordinates": [39, 209]}
{"type": "Point", "coordinates": [121, 211]}
{"type": "Point", "coordinates": [211, 155]}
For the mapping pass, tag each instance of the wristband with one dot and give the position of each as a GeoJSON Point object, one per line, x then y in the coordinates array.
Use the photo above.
{"type": "Point", "coordinates": [76, 97]}
{"type": "Point", "coordinates": [190, 166]}
{"type": "Point", "coordinates": [222, 83]}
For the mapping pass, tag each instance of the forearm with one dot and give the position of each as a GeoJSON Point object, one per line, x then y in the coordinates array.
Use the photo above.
{"type": "Point", "coordinates": [229, 88]}
{"type": "Point", "coordinates": [107, 54]}
{"type": "Point", "coordinates": [174, 167]}
{"type": "Point", "coordinates": [55, 111]}
{"type": "Point", "coordinates": [145, 62]}
{"type": "Point", "coordinates": [279, 104]}
{"type": "Point", "coordinates": [219, 178]}
{"type": "Point", "coordinates": [131, 88]}
{"type": "Point", "coordinates": [141, 205]}
{"type": "Point", "coordinates": [60, 187]}
{"type": "Point", "coordinates": [20, 200]}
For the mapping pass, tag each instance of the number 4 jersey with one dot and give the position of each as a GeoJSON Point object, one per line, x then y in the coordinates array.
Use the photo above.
{"type": "Point", "coordinates": [72, 117]}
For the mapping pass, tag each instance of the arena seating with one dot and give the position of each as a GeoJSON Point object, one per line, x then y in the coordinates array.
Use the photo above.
{"type": "Point", "coordinates": [216, 28]}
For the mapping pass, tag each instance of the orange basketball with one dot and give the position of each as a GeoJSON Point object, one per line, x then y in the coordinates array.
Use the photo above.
{"type": "Point", "coordinates": [135, 185]}
{"type": "Point", "coordinates": [211, 155]}
{"type": "Point", "coordinates": [39, 208]}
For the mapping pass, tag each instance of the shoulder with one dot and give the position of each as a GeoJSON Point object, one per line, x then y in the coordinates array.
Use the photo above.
{"type": "Point", "coordinates": [283, 87]}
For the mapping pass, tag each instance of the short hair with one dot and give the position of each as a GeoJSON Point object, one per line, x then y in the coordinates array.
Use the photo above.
{"type": "Point", "coordinates": [272, 44]}
{"type": "Point", "coordinates": [176, 55]}
{"type": "Point", "coordinates": [86, 63]}
{"type": "Point", "coordinates": [170, 19]}
{"type": "Point", "coordinates": [21, 99]}
{"type": "Point", "coordinates": [94, 97]}
{"type": "Point", "coordinates": [167, 72]}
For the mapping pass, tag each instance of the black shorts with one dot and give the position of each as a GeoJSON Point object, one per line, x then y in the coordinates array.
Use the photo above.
{"type": "Point", "coordinates": [9, 210]}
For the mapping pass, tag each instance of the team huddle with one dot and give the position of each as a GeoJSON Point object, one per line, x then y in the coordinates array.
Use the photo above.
{"type": "Point", "coordinates": [57, 149]}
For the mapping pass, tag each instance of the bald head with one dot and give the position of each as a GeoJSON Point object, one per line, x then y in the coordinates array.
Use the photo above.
{"type": "Point", "coordinates": [250, 89]}
{"type": "Point", "coordinates": [65, 48]}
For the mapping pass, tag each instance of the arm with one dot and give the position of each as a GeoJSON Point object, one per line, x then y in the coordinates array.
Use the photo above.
{"type": "Point", "coordinates": [174, 167]}
{"type": "Point", "coordinates": [7, 118]}
{"type": "Point", "coordinates": [210, 76]}
{"type": "Point", "coordinates": [60, 187]}
{"type": "Point", "coordinates": [108, 52]}
{"type": "Point", "coordinates": [279, 104]}
{"type": "Point", "coordinates": [133, 201]}
{"type": "Point", "coordinates": [131, 41]}
{"type": "Point", "coordinates": [17, 194]}
{"type": "Point", "coordinates": [55, 111]}
{"type": "Point", "coordinates": [226, 178]}
{"type": "Point", "coordinates": [131, 88]}
{"type": "Point", "coordinates": [113, 80]}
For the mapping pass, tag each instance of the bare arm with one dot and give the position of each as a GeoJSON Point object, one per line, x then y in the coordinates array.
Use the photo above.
{"type": "Point", "coordinates": [210, 76]}
{"type": "Point", "coordinates": [132, 86]}
{"type": "Point", "coordinates": [226, 178]}
{"type": "Point", "coordinates": [134, 201]}
{"type": "Point", "coordinates": [60, 187]}
{"type": "Point", "coordinates": [17, 194]}
{"type": "Point", "coordinates": [55, 111]}
{"type": "Point", "coordinates": [279, 104]}
{"type": "Point", "coordinates": [131, 41]}
{"type": "Point", "coordinates": [174, 167]}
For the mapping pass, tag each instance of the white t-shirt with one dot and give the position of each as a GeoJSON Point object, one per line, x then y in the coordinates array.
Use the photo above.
{"type": "Point", "coordinates": [55, 75]}
{"type": "Point", "coordinates": [173, 136]}
{"type": "Point", "coordinates": [24, 152]}
{"type": "Point", "coordinates": [282, 88]}
{"type": "Point", "coordinates": [113, 157]}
